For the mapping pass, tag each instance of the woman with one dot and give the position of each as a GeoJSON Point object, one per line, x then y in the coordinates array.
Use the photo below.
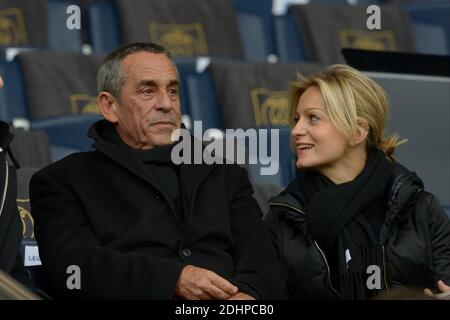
{"type": "Point", "coordinates": [354, 222]}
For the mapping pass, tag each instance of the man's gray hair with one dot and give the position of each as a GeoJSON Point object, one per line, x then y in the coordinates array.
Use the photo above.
{"type": "Point", "coordinates": [110, 77]}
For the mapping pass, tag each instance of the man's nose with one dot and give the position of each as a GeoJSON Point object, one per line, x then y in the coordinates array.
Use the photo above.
{"type": "Point", "coordinates": [164, 102]}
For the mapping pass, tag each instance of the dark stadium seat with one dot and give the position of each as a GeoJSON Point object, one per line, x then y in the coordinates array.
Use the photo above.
{"type": "Point", "coordinates": [38, 24]}
{"type": "Point", "coordinates": [326, 28]}
{"type": "Point", "coordinates": [60, 94]}
{"type": "Point", "coordinates": [186, 28]}
{"type": "Point", "coordinates": [255, 94]}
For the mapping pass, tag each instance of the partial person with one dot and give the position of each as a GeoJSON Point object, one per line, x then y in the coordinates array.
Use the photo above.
{"type": "Point", "coordinates": [354, 222]}
{"type": "Point", "coordinates": [134, 224]}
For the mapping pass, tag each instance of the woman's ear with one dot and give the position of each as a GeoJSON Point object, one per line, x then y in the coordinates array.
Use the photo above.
{"type": "Point", "coordinates": [107, 105]}
{"type": "Point", "coordinates": [361, 133]}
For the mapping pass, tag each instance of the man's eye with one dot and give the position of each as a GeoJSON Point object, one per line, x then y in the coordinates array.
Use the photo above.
{"type": "Point", "coordinates": [147, 91]}
{"type": "Point", "coordinates": [173, 91]}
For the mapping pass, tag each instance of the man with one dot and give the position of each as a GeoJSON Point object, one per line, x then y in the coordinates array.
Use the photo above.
{"type": "Point", "coordinates": [124, 222]}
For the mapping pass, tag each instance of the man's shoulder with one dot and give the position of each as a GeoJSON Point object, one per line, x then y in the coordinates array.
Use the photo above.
{"type": "Point", "coordinates": [75, 162]}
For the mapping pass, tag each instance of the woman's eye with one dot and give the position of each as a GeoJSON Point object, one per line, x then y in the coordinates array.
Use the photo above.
{"type": "Point", "coordinates": [313, 118]}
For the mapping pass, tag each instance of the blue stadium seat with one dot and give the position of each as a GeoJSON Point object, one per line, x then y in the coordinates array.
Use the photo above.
{"type": "Point", "coordinates": [104, 30]}
{"type": "Point", "coordinates": [435, 15]}
{"type": "Point", "coordinates": [198, 94]}
{"type": "Point", "coordinates": [12, 96]}
{"type": "Point", "coordinates": [256, 27]}
{"type": "Point", "coordinates": [60, 38]}
{"type": "Point", "coordinates": [285, 159]}
{"type": "Point", "coordinates": [290, 47]}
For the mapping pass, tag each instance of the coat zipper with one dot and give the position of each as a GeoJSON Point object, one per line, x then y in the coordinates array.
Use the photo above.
{"type": "Point", "coordinates": [5, 190]}
{"type": "Point", "coordinates": [315, 243]}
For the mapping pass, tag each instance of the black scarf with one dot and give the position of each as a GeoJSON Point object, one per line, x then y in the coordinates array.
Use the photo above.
{"type": "Point", "coordinates": [346, 219]}
{"type": "Point", "coordinates": [159, 162]}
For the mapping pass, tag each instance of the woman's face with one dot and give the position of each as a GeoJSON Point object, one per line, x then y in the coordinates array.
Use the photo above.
{"type": "Point", "coordinates": [319, 145]}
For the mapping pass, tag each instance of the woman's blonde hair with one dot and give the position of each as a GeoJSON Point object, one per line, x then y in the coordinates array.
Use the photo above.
{"type": "Point", "coordinates": [349, 97]}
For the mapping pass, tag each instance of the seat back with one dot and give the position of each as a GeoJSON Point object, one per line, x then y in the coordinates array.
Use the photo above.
{"type": "Point", "coordinates": [325, 29]}
{"type": "Point", "coordinates": [185, 28]}
{"type": "Point", "coordinates": [255, 94]}
{"type": "Point", "coordinates": [256, 28]}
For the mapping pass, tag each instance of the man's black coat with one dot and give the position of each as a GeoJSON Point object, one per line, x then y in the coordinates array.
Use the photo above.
{"type": "Point", "coordinates": [105, 212]}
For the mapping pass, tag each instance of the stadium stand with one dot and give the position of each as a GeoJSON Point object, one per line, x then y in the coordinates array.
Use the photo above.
{"type": "Point", "coordinates": [38, 24]}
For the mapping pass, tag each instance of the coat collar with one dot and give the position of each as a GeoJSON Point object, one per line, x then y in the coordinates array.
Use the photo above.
{"type": "Point", "coordinates": [192, 175]}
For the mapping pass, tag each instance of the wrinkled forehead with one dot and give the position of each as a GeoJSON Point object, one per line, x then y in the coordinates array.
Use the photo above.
{"type": "Point", "coordinates": [149, 66]}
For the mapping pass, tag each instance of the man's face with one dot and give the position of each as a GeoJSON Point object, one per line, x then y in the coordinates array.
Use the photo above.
{"type": "Point", "coordinates": [149, 109]}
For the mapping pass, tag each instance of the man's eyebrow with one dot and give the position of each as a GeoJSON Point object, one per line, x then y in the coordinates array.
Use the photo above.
{"type": "Point", "coordinates": [147, 83]}
{"type": "Point", "coordinates": [174, 83]}
{"type": "Point", "coordinates": [152, 83]}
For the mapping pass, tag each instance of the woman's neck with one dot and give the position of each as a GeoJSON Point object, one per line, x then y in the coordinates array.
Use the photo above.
{"type": "Point", "coordinates": [347, 168]}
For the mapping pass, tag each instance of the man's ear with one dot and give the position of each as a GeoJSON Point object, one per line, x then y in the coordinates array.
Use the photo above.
{"type": "Point", "coordinates": [108, 106]}
{"type": "Point", "coordinates": [361, 132]}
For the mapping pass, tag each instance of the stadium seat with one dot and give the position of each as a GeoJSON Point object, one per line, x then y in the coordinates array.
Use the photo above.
{"type": "Point", "coordinates": [186, 28]}
{"type": "Point", "coordinates": [255, 94]}
{"type": "Point", "coordinates": [270, 166]}
{"type": "Point", "coordinates": [64, 105]}
{"type": "Point", "coordinates": [198, 94]}
{"type": "Point", "coordinates": [289, 42]}
{"type": "Point", "coordinates": [104, 26]}
{"type": "Point", "coordinates": [38, 24]}
{"type": "Point", "coordinates": [286, 171]}
{"type": "Point", "coordinates": [326, 28]}
{"type": "Point", "coordinates": [256, 28]}
{"type": "Point", "coordinates": [12, 97]}
{"type": "Point", "coordinates": [431, 24]}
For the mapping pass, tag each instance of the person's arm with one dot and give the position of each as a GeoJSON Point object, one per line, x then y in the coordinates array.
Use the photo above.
{"type": "Point", "coordinates": [258, 270]}
{"type": "Point", "coordinates": [439, 228]}
{"type": "Point", "coordinates": [65, 238]}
